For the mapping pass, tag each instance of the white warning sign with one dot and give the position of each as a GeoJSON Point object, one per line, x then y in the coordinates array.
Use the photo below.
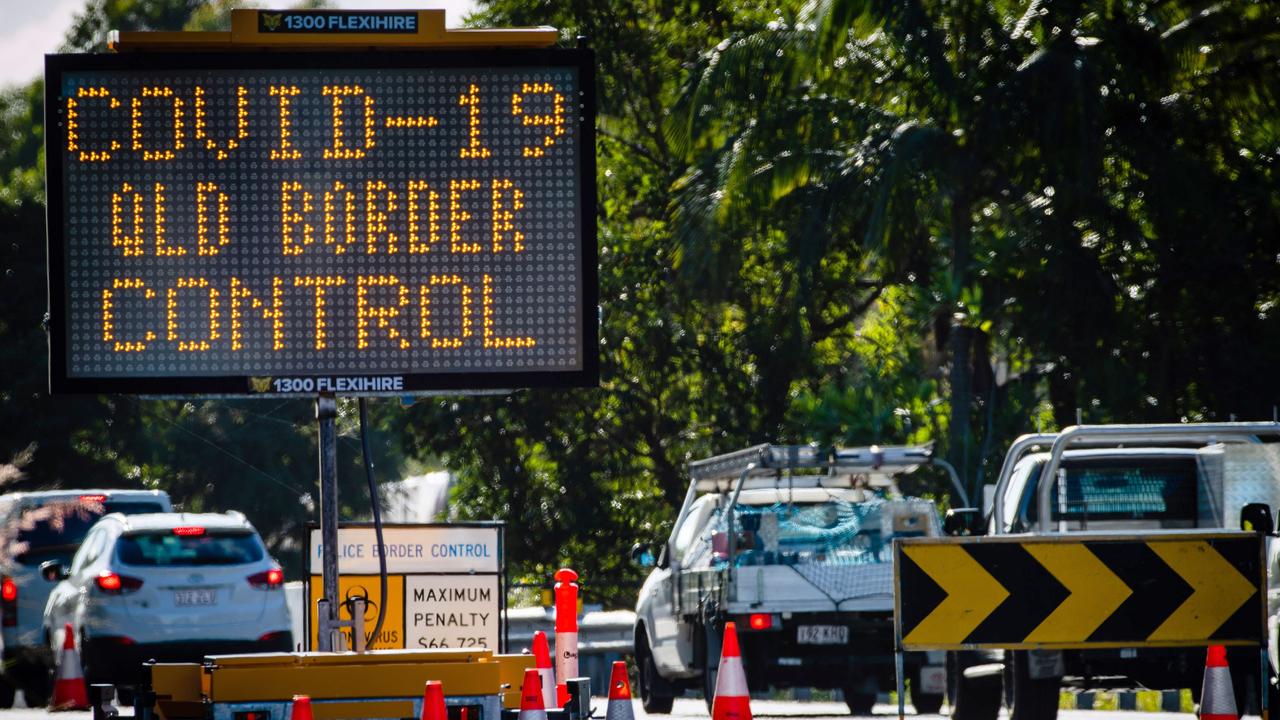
{"type": "Point", "coordinates": [452, 611]}
{"type": "Point", "coordinates": [444, 582]}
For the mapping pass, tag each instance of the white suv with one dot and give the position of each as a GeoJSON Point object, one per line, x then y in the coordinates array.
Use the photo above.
{"type": "Point", "coordinates": [173, 587]}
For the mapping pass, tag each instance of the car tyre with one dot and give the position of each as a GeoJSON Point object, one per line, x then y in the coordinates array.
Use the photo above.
{"type": "Point", "coordinates": [1033, 698]}
{"type": "Point", "coordinates": [976, 698]}
{"type": "Point", "coordinates": [652, 698]}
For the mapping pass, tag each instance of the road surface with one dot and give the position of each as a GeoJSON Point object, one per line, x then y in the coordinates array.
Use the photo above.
{"type": "Point", "coordinates": [694, 708]}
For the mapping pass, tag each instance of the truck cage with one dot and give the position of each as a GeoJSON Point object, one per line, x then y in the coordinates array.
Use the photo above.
{"type": "Point", "coordinates": [1102, 436]}
{"type": "Point", "coordinates": [828, 467]}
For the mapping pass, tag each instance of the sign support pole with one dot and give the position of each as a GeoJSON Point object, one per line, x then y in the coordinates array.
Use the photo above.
{"type": "Point", "coordinates": [326, 417]}
{"type": "Point", "coordinates": [902, 689]}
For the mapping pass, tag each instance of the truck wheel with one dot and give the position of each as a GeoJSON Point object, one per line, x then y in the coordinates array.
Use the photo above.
{"type": "Point", "coordinates": [7, 692]}
{"type": "Point", "coordinates": [1033, 698]}
{"type": "Point", "coordinates": [36, 693]}
{"type": "Point", "coordinates": [924, 703]}
{"type": "Point", "coordinates": [974, 698]}
{"type": "Point", "coordinates": [651, 698]}
{"type": "Point", "coordinates": [711, 642]}
{"type": "Point", "coordinates": [859, 702]}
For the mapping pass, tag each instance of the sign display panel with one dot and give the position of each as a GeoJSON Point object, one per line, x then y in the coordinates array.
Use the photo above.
{"type": "Point", "coordinates": [288, 223]}
{"type": "Point", "coordinates": [445, 584]}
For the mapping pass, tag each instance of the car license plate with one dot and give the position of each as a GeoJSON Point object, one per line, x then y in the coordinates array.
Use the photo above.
{"type": "Point", "coordinates": [204, 596]}
{"type": "Point", "coordinates": [822, 635]}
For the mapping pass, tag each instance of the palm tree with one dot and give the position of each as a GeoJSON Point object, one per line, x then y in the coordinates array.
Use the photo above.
{"type": "Point", "coordinates": [980, 148]}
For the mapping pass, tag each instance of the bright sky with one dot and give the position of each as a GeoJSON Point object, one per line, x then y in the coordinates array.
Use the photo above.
{"type": "Point", "coordinates": [31, 29]}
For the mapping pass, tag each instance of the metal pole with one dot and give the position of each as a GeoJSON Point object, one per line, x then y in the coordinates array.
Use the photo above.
{"type": "Point", "coordinates": [902, 685]}
{"type": "Point", "coordinates": [326, 416]}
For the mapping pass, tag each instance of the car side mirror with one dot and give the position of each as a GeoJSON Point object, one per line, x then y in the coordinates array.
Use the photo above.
{"type": "Point", "coordinates": [1256, 517]}
{"type": "Point", "coordinates": [960, 522]}
{"type": "Point", "coordinates": [53, 571]}
{"type": "Point", "coordinates": [642, 556]}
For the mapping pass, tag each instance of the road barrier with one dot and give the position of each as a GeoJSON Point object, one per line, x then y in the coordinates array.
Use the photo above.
{"type": "Point", "coordinates": [619, 695]}
{"type": "Point", "coordinates": [604, 637]}
{"type": "Point", "coordinates": [433, 705]}
{"type": "Point", "coordinates": [566, 591]}
{"type": "Point", "coordinates": [542, 660]}
{"type": "Point", "coordinates": [1217, 697]}
{"type": "Point", "coordinates": [1079, 591]}
{"type": "Point", "coordinates": [69, 690]}
{"type": "Point", "coordinates": [532, 706]}
{"type": "Point", "coordinates": [732, 700]}
{"type": "Point", "coordinates": [300, 709]}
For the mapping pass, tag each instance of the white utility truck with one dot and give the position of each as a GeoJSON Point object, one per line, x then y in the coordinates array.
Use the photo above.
{"type": "Point", "coordinates": [792, 543]}
{"type": "Point", "coordinates": [1121, 479]}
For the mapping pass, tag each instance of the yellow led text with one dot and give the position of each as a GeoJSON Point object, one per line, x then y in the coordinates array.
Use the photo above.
{"type": "Point", "coordinates": [73, 124]}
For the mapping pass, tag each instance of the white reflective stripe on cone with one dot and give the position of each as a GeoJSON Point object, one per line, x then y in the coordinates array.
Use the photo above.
{"type": "Point", "coordinates": [732, 680]}
{"type": "Point", "coordinates": [548, 679]}
{"type": "Point", "coordinates": [1218, 696]}
{"type": "Point", "coordinates": [69, 666]}
{"type": "Point", "coordinates": [533, 715]}
{"type": "Point", "coordinates": [620, 710]}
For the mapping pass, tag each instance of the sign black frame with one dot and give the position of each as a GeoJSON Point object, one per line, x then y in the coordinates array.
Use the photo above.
{"type": "Point", "coordinates": [583, 59]}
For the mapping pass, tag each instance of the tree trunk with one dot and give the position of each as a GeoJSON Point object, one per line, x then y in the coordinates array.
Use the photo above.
{"type": "Point", "coordinates": [958, 426]}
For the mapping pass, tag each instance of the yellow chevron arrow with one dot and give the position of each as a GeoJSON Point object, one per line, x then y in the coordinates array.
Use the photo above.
{"type": "Point", "coordinates": [1096, 592]}
{"type": "Point", "coordinates": [1218, 589]}
{"type": "Point", "coordinates": [972, 594]}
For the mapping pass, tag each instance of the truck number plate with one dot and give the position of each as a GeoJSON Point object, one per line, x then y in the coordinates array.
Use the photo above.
{"type": "Point", "coordinates": [183, 598]}
{"type": "Point", "coordinates": [822, 635]}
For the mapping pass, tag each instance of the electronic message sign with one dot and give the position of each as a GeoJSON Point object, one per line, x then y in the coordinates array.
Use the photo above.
{"type": "Point", "coordinates": [302, 223]}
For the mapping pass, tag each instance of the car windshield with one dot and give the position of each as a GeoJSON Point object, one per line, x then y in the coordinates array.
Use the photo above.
{"type": "Point", "coordinates": [1147, 489]}
{"type": "Point", "coordinates": [164, 548]}
{"type": "Point", "coordinates": [56, 528]}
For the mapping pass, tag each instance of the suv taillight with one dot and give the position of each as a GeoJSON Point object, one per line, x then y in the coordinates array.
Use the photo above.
{"type": "Point", "coordinates": [8, 602]}
{"type": "Point", "coordinates": [115, 584]}
{"type": "Point", "coordinates": [268, 579]}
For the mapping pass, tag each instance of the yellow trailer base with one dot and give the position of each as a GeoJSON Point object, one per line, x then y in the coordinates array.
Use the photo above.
{"type": "Point", "coordinates": [379, 684]}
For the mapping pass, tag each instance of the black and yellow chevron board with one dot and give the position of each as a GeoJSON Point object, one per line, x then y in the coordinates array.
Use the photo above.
{"type": "Point", "coordinates": [1079, 590]}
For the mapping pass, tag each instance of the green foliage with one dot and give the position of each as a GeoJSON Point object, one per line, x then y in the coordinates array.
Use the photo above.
{"type": "Point", "coordinates": [847, 221]}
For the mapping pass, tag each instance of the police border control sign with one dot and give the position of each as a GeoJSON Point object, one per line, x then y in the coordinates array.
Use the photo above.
{"type": "Point", "coordinates": [446, 583]}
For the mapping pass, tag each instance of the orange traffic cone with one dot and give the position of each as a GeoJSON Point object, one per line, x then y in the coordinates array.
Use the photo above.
{"type": "Point", "coordinates": [542, 661]}
{"type": "Point", "coordinates": [301, 709]}
{"type": "Point", "coordinates": [619, 694]}
{"type": "Point", "coordinates": [531, 707]}
{"type": "Point", "coordinates": [1217, 698]}
{"type": "Point", "coordinates": [69, 691]}
{"type": "Point", "coordinates": [433, 702]}
{"type": "Point", "coordinates": [732, 701]}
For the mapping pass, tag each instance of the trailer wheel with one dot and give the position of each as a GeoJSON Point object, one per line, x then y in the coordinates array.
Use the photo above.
{"type": "Point", "coordinates": [652, 699]}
